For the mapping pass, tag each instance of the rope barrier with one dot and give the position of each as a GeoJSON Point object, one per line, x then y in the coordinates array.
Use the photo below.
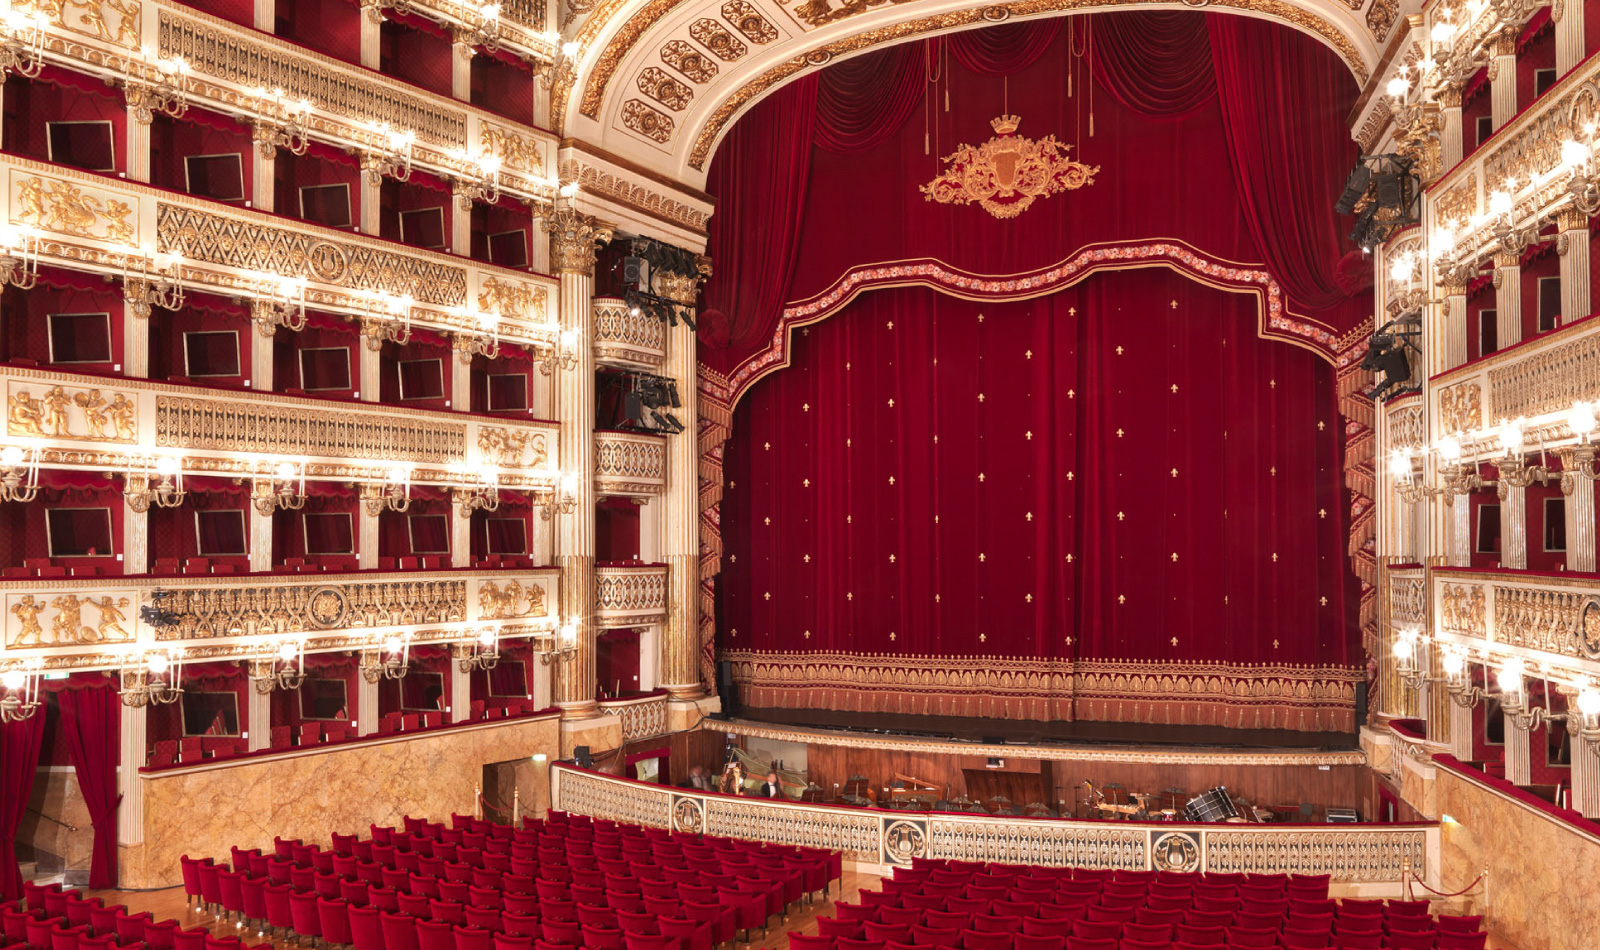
{"type": "Point", "coordinates": [1412, 876]}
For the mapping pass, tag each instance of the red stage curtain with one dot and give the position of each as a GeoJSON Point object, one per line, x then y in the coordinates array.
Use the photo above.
{"type": "Point", "coordinates": [999, 50]}
{"type": "Point", "coordinates": [864, 100]}
{"type": "Point", "coordinates": [1156, 62]}
{"type": "Point", "coordinates": [933, 477]}
{"type": "Point", "coordinates": [760, 179]}
{"type": "Point", "coordinates": [19, 756]}
{"type": "Point", "coordinates": [89, 724]}
{"type": "Point", "coordinates": [1291, 149]}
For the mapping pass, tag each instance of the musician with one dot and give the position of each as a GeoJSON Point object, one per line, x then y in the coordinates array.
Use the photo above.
{"type": "Point", "coordinates": [699, 780]}
{"type": "Point", "coordinates": [769, 788]}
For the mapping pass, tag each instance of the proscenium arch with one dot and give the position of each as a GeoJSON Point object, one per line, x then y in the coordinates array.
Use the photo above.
{"type": "Point", "coordinates": [601, 104]}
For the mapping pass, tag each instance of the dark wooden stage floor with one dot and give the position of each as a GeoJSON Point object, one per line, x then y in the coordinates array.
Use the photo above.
{"type": "Point", "coordinates": [1046, 733]}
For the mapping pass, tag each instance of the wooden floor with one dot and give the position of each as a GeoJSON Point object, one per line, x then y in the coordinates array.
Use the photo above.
{"type": "Point", "coordinates": [171, 903]}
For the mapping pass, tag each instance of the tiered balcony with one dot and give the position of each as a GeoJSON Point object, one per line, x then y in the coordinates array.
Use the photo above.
{"type": "Point", "coordinates": [626, 339]}
{"type": "Point", "coordinates": [643, 718]}
{"type": "Point", "coordinates": [630, 463]}
{"type": "Point", "coordinates": [630, 596]}
{"type": "Point", "coordinates": [1545, 618]}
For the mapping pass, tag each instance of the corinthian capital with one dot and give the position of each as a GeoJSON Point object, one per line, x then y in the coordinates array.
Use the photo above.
{"type": "Point", "coordinates": [574, 237]}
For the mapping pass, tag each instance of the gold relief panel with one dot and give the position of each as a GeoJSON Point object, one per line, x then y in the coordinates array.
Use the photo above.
{"type": "Point", "coordinates": [517, 599]}
{"type": "Point", "coordinates": [632, 193]}
{"type": "Point", "coordinates": [687, 60]}
{"type": "Point", "coordinates": [1463, 610]}
{"type": "Point", "coordinates": [82, 414]}
{"type": "Point", "coordinates": [1380, 17]}
{"type": "Point", "coordinates": [275, 429]}
{"type": "Point", "coordinates": [1562, 371]}
{"type": "Point", "coordinates": [1460, 408]}
{"type": "Point", "coordinates": [653, 125]}
{"type": "Point", "coordinates": [517, 152]}
{"type": "Point", "coordinates": [1460, 203]}
{"type": "Point", "coordinates": [321, 605]}
{"type": "Point", "coordinates": [822, 12]}
{"type": "Point", "coordinates": [114, 21]}
{"type": "Point", "coordinates": [514, 448]}
{"type": "Point", "coordinates": [64, 207]}
{"type": "Point", "coordinates": [655, 83]}
{"type": "Point", "coordinates": [66, 619]}
{"type": "Point", "coordinates": [514, 299]}
{"type": "Point", "coordinates": [744, 17]}
{"type": "Point", "coordinates": [1356, 856]}
{"type": "Point", "coordinates": [1566, 622]}
{"type": "Point", "coordinates": [716, 38]}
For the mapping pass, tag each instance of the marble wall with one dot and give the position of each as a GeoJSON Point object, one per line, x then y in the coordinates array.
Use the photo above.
{"type": "Point", "coordinates": [1542, 872]}
{"type": "Point", "coordinates": [344, 788]}
{"type": "Point", "coordinates": [66, 843]}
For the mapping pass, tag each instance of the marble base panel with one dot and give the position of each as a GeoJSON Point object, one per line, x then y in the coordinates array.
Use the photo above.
{"type": "Point", "coordinates": [202, 811]}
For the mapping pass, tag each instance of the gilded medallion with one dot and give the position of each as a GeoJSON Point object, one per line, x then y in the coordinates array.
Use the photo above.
{"type": "Point", "coordinates": [1006, 174]}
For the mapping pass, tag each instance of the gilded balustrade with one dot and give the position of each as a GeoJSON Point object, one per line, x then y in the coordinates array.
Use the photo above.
{"type": "Point", "coordinates": [641, 718]}
{"type": "Point", "coordinates": [1537, 380]}
{"type": "Point", "coordinates": [1369, 855]}
{"type": "Point", "coordinates": [630, 463]}
{"type": "Point", "coordinates": [628, 339]}
{"type": "Point", "coordinates": [1549, 621]}
{"type": "Point", "coordinates": [630, 596]}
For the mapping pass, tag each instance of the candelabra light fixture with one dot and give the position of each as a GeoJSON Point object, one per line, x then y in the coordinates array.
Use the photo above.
{"type": "Point", "coordinates": [19, 690]}
{"type": "Point", "coordinates": [1409, 655]}
{"type": "Point", "coordinates": [1586, 724]}
{"type": "Point", "coordinates": [391, 494]}
{"type": "Point", "coordinates": [19, 256]}
{"type": "Point", "coordinates": [19, 472]}
{"type": "Point", "coordinates": [563, 499]}
{"type": "Point", "coordinates": [1514, 702]}
{"type": "Point", "coordinates": [484, 495]}
{"type": "Point", "coordinates": [22, 42]}
{"type": "Point", "coordinates": [389, 658]}
{"type": "Point", "coordinates": [281, 665]}
{"type": "Point", "coordinates": [166, 93]}
{"type": "Point", "coordinates": [1512, 235]}
{"type": "Point", "coordinates": [282, 485]}
{"type": "Point", "coordinates": [483, 341]}
{"type": "Point", "coordinates": [562, 355]}
{"type": "Point", "coordinates": [1405, 473]}
{"type": "Point", "coordinates": [1578, 461]}
{"type": "Point", "coordinates": [151, 677]}
{"type": "Point", "coordinates": [281, 122]}
{"type": "Point", "coordinates": [479, 179]}
{"type": "Point", "coordinates": [553, 645]}
{"type": "Point", "coordinates": [388, 153]}
{"type": "Point", "coordinates": [481, 652]}
{"type": "Point", "coordinates": [1458, 680]}
{"type": "Point", "coordinates": [1515, 471]}
{"type": "Point", "coordinates": [154, 480]}
{"type": "Point", "coordinates": [279, 302]}
{"type": "Point", "coordinates": [387, 318]}
{"type": "Point", "coordinates": [1583, 175]}
{"type": "Point", "coordinates": [482, 26]}
{"type": "Point", "coordinates": [150, 280]}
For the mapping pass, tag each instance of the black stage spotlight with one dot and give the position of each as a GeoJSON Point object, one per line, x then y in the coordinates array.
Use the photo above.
{"type": "Point", "coordinates": [1354, 187]}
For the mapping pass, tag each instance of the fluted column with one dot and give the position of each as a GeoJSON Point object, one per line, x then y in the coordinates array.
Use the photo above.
{"type": "Point", "coordinates": [573, 239]}
{"type": "Point", "coordinates": [1458, 530]}
{"type": "Point", "coordinates": [263, 169]}
{"type": "Point", "coordinates": [266, 15]}
{"type": "Point", "coordinates": [138, 155]}
{"type": "Point", "coordinates": [259, 721]}
{"type": "Point", "coordinates": [136, 540]}
{"type": "Point", "coordinates": [461, 222]}
{"type": "Point", "coordinates": [1568, 17]}
{"type": "Point", "coordinates": [1452, 142]}
{"type": "Point", "coordinates": [1513, 525]}
{"type": "Point", "coordinates": [1503, 78]}
{"type": "Point", "coordinates": [1519, 755]}
{"type": "Point", "coordinates": [135, 344]}
{"type": "Point", "coordinates": [260, 534]}
{"type": "Point", "coordinates": [261, 352]}
{"type": "Point", "coordinates": [461, 372]}
{"type": "Point", "coordinates": [130, 811]}
{"type": "Point", "coordinates": [372, 505]}
{"type": "Point", "coordinates": [1579, 492]}
{"type": "Point", "coordinates": [460, 684]}
{"type": "Point", "coordinates": [1453, 352]}
{"type": "Point", "coordinates": [460, 531]}
{"type": "Point", "coordinates": [461, 69]}
{"type": "Point", "coordinates": [369, 357]}
{"type": "Point", "coordinates": [1573, 245]}
{"type": "Point", "coordinates": [371, 35]}
{"type": "Point", "coordinates": [1461, 731]}
{"type": "Point", "coordinates": [1508, 300]}
{"type": "Point", "coordinates": [680, 535]}
{"type": "Point", "coordinates": [371, 185]}
{"type": "Point", "coordinates": [366, 706]}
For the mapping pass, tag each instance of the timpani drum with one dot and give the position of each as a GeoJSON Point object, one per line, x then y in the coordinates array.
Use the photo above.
{"type": "Point", "coordinates": [1214, 805]}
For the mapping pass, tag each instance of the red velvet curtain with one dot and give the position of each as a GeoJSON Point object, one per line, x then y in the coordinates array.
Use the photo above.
{"type": "Point", "coordinates": [89, 724]}
{"type": "Point", "coordinates": [19, 757]}
{"type": "Point", "coordinates": [1291, 149]}
{"type": "Point", "coordinates": [864, 100]}
{"type": "Point", "coordinates": [998, 50]}
{"type": "Point", "coordinates": [1156, 62]}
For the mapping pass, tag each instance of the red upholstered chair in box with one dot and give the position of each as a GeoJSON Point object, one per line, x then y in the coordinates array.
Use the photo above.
{"type": "Point", "coordinates": [1104, 914]}
{"type": "Point", "coordinates": [354, 892]}
{"type": "Point", "coordinates": [1242, 937]}
{"type": "Point", "coordinates": [799, 941]}
{"type": "Point", "coordinates": [66, 938]}
{"type": "Point", "coordinates": [1452, 940]}
{"type": "Point", "coordinates": [607, 917]}
{"type": "Point", "coordinates": [301, 879]}
{"type": "Point", "coordinates": [1094, 930]}
{"type": "Point", "coordinates": [1309, 939]}
{"type": "Point", "coordinates": [435, 935]}
{"type": "Point", "coordinates": [303, 907]}
{"type": "Point", "coordinates": [1045, 927]}
{"type": "Point", "coordinates": [978, 940]}
{"type": "Point", "coordinates": [1128, 943]}
{"type": "Point", "coordinates": [1093, 943]}
{"type": "Point", "coordinates": [1252, 921]}
{"type": "Point", "coordinates": [98, 942]}
{"type": "Point", "coordinates": [829, 927]}
{"type": "Point", "coordinates": [102, 920]}
{"type": "Point", "coordinates": [1409, 908]}
{"type": "Point", "coordinates": [1189, 933]}
{"type": "Point", "coordinates": [384, 898]}
{"type": "Point", "coordinates": [334, 917]}
{"type": "Point", "coordinates": [472, 938]}
{"type": "Point", "coordinates": [936, 936]}
{"type": "Point", "coordinates": [559, 910]}
{"type": "Point", "coordinates": [326, 884]}
{"type": "Point", "coordinates": [1358, 940]}
{"type": "Point", "coordinates": [280, 915]}
{"type": "Point", "coordinates": [637, 923]}
{"type": "Point", "coordinates": [899, 933]}
{"type": "Point", "coordinates": [447, 910]}
{"type": "Point", "coordinates": [366, 931]}
{"type": "Point", "coordinates": [995, 924]}
{"type": "Point", "coordinates": [512, 942]}
{"type": "Point", "coordinates": [79, 910]}
{"type": "Point", "coordinates": [1024, 941]}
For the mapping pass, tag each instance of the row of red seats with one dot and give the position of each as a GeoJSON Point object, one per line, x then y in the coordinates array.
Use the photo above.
{"type": "Point", "coordinates": [50, 918]}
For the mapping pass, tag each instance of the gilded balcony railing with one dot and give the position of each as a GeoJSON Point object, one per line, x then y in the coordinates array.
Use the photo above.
{"type": "Point", "coordinates": [630, 463]}
{"type": "Point", "coordinates": [627, 596]}
{"type": "Point", "coordinates": [625, 338]}
{"type": "Point", "coordinates": [641, 718]}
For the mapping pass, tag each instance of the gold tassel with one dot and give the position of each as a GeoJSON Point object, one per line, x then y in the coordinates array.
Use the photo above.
{"type": "Point", "coordinates": [925, 140]}
{"type": "Point", "coordinates": [1091, 125]}
{"type": "Point", "coordinates": [947, 98]}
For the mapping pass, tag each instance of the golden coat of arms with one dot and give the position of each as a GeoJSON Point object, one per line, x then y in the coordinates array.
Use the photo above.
{"type": "Point", "coordinates": [1007, 173]}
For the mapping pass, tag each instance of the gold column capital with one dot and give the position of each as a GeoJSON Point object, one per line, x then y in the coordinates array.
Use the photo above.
{"type": "Point", "coordinates": [574, 238]}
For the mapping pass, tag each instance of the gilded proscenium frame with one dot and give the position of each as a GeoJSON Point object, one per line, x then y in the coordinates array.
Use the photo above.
{"type": "Point", "coordinates": [1374, 856]}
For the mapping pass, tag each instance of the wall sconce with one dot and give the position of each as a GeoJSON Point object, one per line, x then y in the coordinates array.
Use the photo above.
{"type": "Point", "coordinates": [484, 496]}
{"type": "Point", "coordinates": [563, 498]}
{"type": "Point", "coordinates": [1514, 469]}
{"type": "Point", "coordinates": [281, 666]}
{"type": "Point", "coordinates": [563, 355]}
{"type": "Point", "coordinates": [19, 256]}
{"type": "Point", "coordinates": [1407, 477]}
{"type": "Point", "coordinates": [388, 154]}
{"type": "Point", "coordinates": [389, 659]}
{"type": "Point", "coordinates": [483, 26]}
{"type": "Point", "coordinates": [154, 480]}
{"type": "Point", "coordinates": [280, 123]}
{"type": "Point", "coordinates": [1514, 698]}
{"type": "Point", "coordinates": [1407, 664]}
{"type": "Point", "coordinates": [151, 677]}
{"type": "Point", "coordinates": [480, 179]}
{"type": "Point", "coordinates": [283, 486]}
{"type": "Point", "coordinates": [392, 494]}
{"type": "Point", "coordinates": [484, 341]}
{"type": "Point", "coordinates": [21, 691]}
{"type": "Point", "coordinates": [19, 472]}
{"type": "Point", "coordinates": [1586, 725]}
{"type": "Point", "coordinates": [553, 645]}
{"type": "Point", "coordinates": [22, 48]}
{"type": "Point", "coordinates": [1578, 159]}
{"type": "Point", "coordinates": [1458, 680]}
{"type": "Point", "coordinates": [168, 94]}
{"type": "Point", "coordinates": [152, 280]}
{"type": "Point", "coordinates": [1513, 239]}
{"type": "Point", "coordinates": [1457, 476]}
{"type": "Point", "coordinates": [482, 652]}
{"type": "Point", "coordinates": [279, 302]}
{"type": "Point", "coordinates": [1578, 461]}
{"type": "Point", "coordinates": [387, 318]}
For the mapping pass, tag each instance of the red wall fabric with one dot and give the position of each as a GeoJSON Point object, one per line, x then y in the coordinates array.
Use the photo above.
{"type": "Point", "coordinates": [616, 662]}
{"type": "Point", "coordinates": [89, 724]}
{"type": "Point", "coordinates": [934, 477]}
{"type": "Point", "coordinates": [19, 754]}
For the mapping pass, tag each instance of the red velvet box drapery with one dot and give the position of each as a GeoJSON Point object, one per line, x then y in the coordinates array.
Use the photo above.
{"type": "Point", "coordinates": [818, 202]}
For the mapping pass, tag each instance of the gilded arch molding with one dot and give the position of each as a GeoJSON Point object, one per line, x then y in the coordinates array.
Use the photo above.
{"type": "Point", "coordinates": [634, 93]}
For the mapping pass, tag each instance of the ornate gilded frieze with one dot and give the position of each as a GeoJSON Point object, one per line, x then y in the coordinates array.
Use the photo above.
{"type": "Point", "coordinates": [261, 427]}
{"type": "Point", "coordinates": [326, 604]}
{"type": "Point", "coordinates": [1366, 855]}
{"type": "Point", "coordinates": [514, 448]}
{"type": "Point", "coordinates": [1550, 378]}
{"type": "Point", "coordinates": [629, 192]}
{"type": "Point", "coordinates": [651, 123]}
{"type": "Point", "coordinates": [517, 151]}
{"type": "Point", "coordinates": [74, 209]}
{"type": "Point", "coordinates": [1463, 610]}
{"type": "Point", "coordinates": [625, 596]}
{"type": "Point", "coordinates": [1461, 408]}
{"type": "Point", "coordinates": [1553, 621]}
{"type": "Point", "coordinates": [68, 619]}
{"type": "Point", "coordinates": [1460, 202]}
{"type": "Point", "coordinates": [520, 598]}
{"type": "Point", "coordinates": [111, 21]}
{"type": "Point", "coordinates": [39, 410]}
{"type": "Point", "coordinates": [641, 718]}
{"type": "Point", "coordinates": [630, 463]}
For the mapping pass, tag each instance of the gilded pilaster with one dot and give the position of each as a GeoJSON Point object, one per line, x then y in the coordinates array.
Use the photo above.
{"type": "Point", "coordinates": [1458, 531]}
{"type": "Point", "coordinates": [130, 811]}
{"type": "Point", "coordinates": [138, 155]}
{"type": "Point", "coordinates": [1461, 731]}
{"type": "Point", "coordinates": [461, 69]}
{"type": "Point", "coordinates": [1503, 78]}
{"type": "Point", "coordinates": [1570, 43]}
{"type": "Point", "coordinates": [368, 355]}
{"type": "Point", "coordinates": [1513, 526]}
{"type": "Point", "coordinates": [1580, 524]}
{"type": "Point", "coordinates": [1451, 138]}
{"type": "Point", "coordinates": [1573, 245]}
{"type": "Point", "coordinates": [680, 538]}
{"type": "Point", "coordinates": [259, 720]}
{"type": "Point", "coordinates": [367, 706]}
{"type": "Point", "coordinates": [1519, 760]}
{"type": "Point", "coordinates": [1508, 300]}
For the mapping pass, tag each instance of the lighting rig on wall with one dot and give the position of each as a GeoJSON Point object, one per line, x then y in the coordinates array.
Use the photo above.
{"type": "Point", "coordinates": [19, 472]}
{"type": "Point", "coordinates": [551, 646]}
{"type": "Point", "coordinates": [151, 677]}
{"type": "Point", "coordinates": [388, 658]}
{"type": "Point", "coordinates": [391, 494]}
{"type": "Point", "coordinates": [563, 500]}
{"type": "Point", "coordinates": [481, 652]}
{"type": "Point", "coordinates": [154, 480]}
{"type": "Point", "coordinates": [150, 280]}
{"type": "Point", "coordinates": [484, 495]}
{"type": "Point", "coordinates": [280, 666]}
{"type": "Point", "coordinates": [1387, 350]}
{"type": "Point", "coordinates": [280, 122]}
{"type": "Point", "coordinates": [19, 256]}
{"type": "Point", "coordinates": [167, 93]}
{"type": "Point", "coordinates": [19, 690]}
{"type": "Point", "coordinates": [1383, 192]}
{"type": "Point", "coordinates": [650, 259]}
{"type": "Point", "coordinates": [281, 485]}
{"type": "Point", "coordinates": [279, 301]}
{"type": "Point", "coordinates": [647, 401]}
{"type": "Point", "coordinates": [387, 153]}
{"type": "Point", "coordinates": [22, 42]}
{"type": "Point", "coordinates": [386, 318]}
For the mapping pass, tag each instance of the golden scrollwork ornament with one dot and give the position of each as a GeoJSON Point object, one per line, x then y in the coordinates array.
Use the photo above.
{"type": "Point", "coordinates": [1006, 174]}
